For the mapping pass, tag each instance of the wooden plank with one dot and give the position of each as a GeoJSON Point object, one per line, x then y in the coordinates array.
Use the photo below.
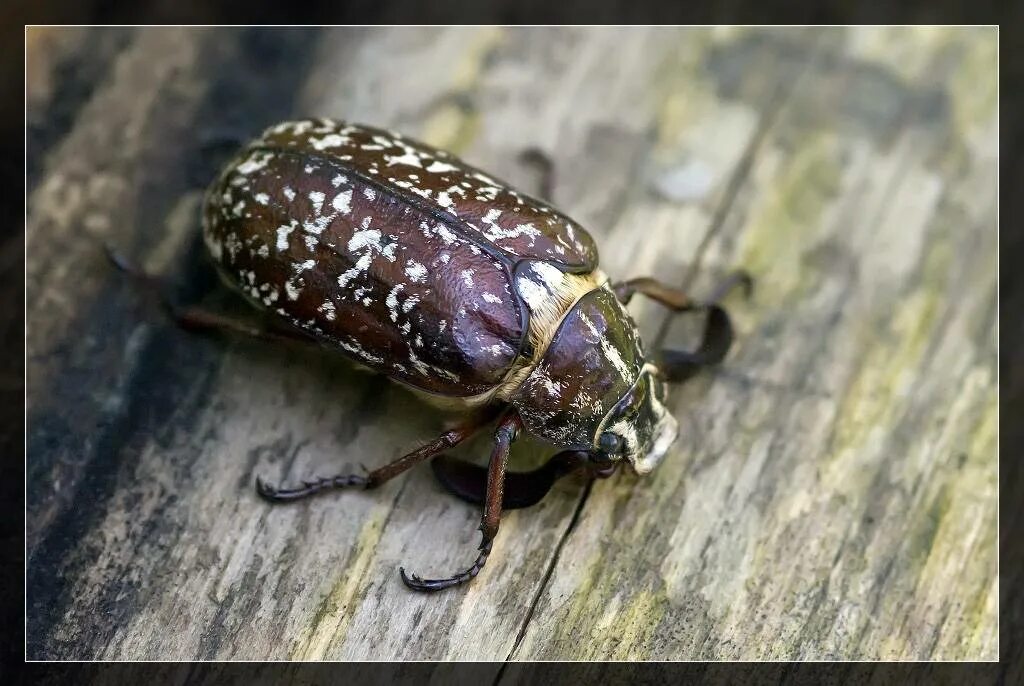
{"type": "Point", "coordinates": [833, 517]}
{"type": "Point", "coordinates": [836, 496]}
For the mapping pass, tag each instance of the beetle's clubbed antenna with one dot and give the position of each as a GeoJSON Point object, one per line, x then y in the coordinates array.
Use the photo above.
{"type": "Point", "coordinates": [504, 435]}
{"type": "Point", "coordinates": [680, 365]}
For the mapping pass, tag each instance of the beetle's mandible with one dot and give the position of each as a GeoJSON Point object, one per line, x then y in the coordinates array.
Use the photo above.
{"type": "Point", "coordinates": [421, 267]}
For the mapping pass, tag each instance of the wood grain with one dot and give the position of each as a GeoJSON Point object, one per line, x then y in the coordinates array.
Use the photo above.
{"type": "Point", "coordinates": [833, 492]}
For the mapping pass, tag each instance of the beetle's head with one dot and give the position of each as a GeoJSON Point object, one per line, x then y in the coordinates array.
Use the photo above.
{"type": "Point", "coordinates": [593, 391]}
{"type": "Point", "coordinates": [638, 428]}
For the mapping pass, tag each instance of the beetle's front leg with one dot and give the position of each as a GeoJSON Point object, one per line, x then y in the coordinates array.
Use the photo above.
{"type": "Point", "coordinates": [679, 365]}
{"type": "Point", "coordinates": [504, 435]}
{"type": "Point", "coordinates": [675, 298]}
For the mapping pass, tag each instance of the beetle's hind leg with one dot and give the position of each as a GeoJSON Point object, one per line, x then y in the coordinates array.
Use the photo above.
{"type": "Point", "coordinates": [196, 317]}
{"type": "Point", "coordinates": [504, 435]}
{"type": "Point", "coordinates": [449, 439]}
{"type": "Point", "coordinates": [679, 365]}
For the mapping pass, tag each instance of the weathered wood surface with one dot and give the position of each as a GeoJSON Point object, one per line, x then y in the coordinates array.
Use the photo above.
{"type": "Point", "coordinates": [833, 493]}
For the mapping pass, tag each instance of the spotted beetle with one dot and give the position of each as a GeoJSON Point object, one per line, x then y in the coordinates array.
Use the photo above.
{"type": "Point", "coordinates": [416, 265]}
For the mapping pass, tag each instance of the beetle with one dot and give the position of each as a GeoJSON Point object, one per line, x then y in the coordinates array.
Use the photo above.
{"type": "Point", "coordinates": [474, 295]}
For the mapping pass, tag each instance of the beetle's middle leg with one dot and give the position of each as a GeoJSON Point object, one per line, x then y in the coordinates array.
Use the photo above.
{"type": "Point", "coordinates": [449, 439]}
{"type": "Point", "coordinates": [504, 435]}
{"type": "Point", "coordinates": [679, 365]}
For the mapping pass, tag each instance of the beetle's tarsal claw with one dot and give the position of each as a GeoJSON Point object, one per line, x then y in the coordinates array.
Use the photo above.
{"type": "Point", "coordinates": [265, 490]}
{"type": "Point", "coordinates": [125, 265]}
{"type": "Point", "coordinates": [417, 583]}
{"type": "Point", "coordinates": [116, 258]}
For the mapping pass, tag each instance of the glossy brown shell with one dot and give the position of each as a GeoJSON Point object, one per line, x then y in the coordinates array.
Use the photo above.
{"type": "Point", "coordinates": [398, 254]}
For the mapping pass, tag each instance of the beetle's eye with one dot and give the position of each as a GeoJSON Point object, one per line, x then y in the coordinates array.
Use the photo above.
{"type": "Point", "coordinates": [610, 444]}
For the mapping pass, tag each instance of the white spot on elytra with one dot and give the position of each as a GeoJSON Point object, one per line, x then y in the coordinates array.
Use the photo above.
{"type": "Point", "coordinates": [467, 277]}
{"type": "Point", "coordinates": [262, 198]}
{"type": "Point", "coordinates": [332, 140]}
{"type": "Point", "coordinates": [438, 167]}
{"type": "Point", "coordinates": [254, 163]}
{"type": "Point", "coordinates": [408, 158]}
{"type": "Point", "coordinates": [328, 309]}
{"type": "Point", "coordinates": [356, 349]}
{"type": "Point", "coordinates": [446, 235]}
{"type": "Point", "coordinates": [392, 301]}
{"type": "Point", "coordinates": [361, 265]}
{"type": "Point", "coordinates": [289, 193]}
{"type": "Point", "coordinates": [416, 271]}
{"type": "Point", "coordinates": [361, 239]}
{"type": "Point", "coordinates": [317, 198]}
{"type": "Point", "coordinates": [495, 232]}
{"type": "Point", "coordinates": [491, 298]}
{"type": "Point", "coordinates": [342, 202]}
{"type": "Point", "coordinates": [282, 236]}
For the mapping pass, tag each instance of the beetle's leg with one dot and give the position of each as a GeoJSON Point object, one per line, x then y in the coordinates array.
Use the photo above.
{"type": "Point", "coordinates": [449, 439]}
{"type": "Point", "coordinates": [539, 159]}
{"type": "Point", "coordinates": [676, 299]}
{"type": "Point", "coordinates": [506, 432]}
{"type": "Point", "coordinates": [468, 481]}
{"type": "Point", "coordinates": [215, 147]}
{"type": "Point", "coordinates": [195, 317]}
{"type": "Point", "coordinates": [679, 365]}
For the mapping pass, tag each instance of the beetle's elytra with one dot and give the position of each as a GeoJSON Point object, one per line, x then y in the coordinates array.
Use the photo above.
{"type": "Point", "coordinates": [414, 264]}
